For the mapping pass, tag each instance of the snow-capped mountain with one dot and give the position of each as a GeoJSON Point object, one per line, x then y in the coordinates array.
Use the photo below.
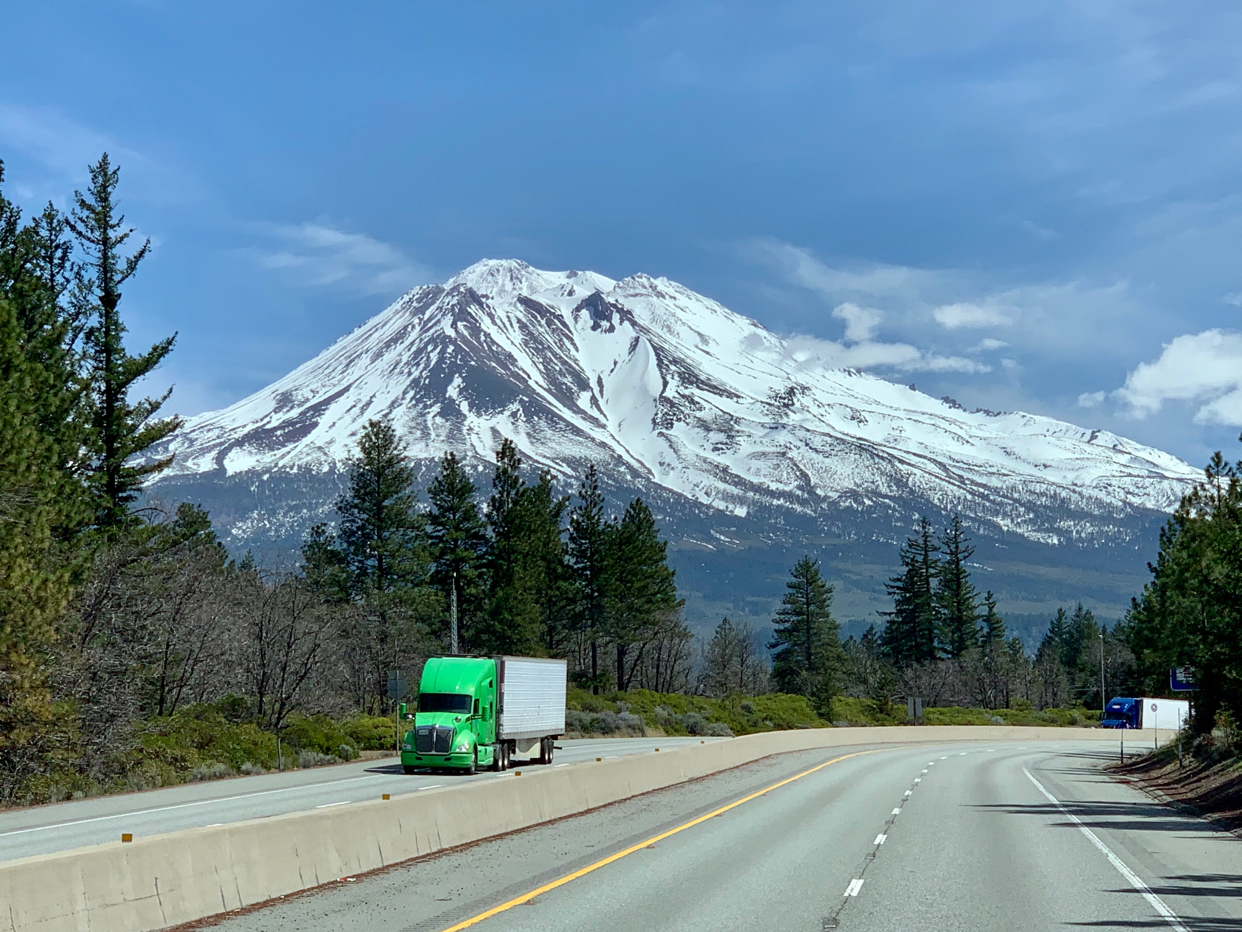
{"type": "Point", "coordinates": [670, 392]}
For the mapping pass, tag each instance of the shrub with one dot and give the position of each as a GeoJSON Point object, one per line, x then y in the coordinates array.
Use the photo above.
{"type": "Point", "coordinates": [307, 758]}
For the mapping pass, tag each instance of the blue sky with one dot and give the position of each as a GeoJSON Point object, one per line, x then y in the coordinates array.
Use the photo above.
{"type": "Point", "coordinates": [1026, 207]}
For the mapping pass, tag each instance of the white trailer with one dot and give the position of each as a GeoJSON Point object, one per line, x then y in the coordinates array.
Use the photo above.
{"type": "Point", "coordinates": [1164, 713]}
{"type": "Point", "coordinates": [530, 699]}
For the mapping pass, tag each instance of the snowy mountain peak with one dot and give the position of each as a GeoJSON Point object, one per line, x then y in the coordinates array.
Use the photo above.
{"type": "Point", "coordinates": [669, 390]}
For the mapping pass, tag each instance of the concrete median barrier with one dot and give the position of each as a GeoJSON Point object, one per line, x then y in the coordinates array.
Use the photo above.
{"type": "Point", "coordinates": [156, 882]}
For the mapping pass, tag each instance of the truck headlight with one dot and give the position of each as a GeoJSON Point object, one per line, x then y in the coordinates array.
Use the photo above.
{"type": "Point", "coordinates": [463, 745]}
{"type": "Point", "coordinates": [407, 747]}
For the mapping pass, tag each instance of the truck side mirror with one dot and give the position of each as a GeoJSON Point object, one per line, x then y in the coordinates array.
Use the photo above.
{"type": "Point", "coordinates": [403, 713]}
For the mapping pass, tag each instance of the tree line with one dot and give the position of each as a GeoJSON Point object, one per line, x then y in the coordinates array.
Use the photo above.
{"type": "Point", "coordinates": [528, 571]}
{"type": "Point", "coordinates": [1190, 612]}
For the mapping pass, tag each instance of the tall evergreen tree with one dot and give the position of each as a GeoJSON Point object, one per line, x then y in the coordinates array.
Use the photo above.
{"type": "Point", "coordinates": [911, 627]}
{"type": "Point", "coordinates": [34, 581]}
{"type": "Point", "coordinates": [546, 555]}
{"type": "Point", "coordinates": [957, 600]}
{"type": "Point", "coordinates": [993, 623]}
{"type": "Point", "coordinates": [458, 536]}
{"type": "Point", "coordinates": [808, 657]}
{"type": "Point", "coordinates": [514, 622]}
{"type": "Point", "coordinates": [642, 589]}
{"type": "Point", "coordinates": [589, 545]}
{"type": "Point", "coordinates": [382, 536]}
{"type": "Point", "coordinates": [38, 497]}
{"type": "Point", "coordinates": [120, 428]}
{"type": "Point", "coordinates": [1081, 633]}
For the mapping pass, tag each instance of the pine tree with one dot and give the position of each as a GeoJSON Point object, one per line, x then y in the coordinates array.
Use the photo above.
{"type": "Point", "coordinates": [993, 623]}
{"type": "Point", "coordinates": [120, 429]}
{"type": "Point", "coordinates": [546, 555]}
{"type": "Point", "coordinates": [808, 657]}
{"type": "Point", "coordinates": [381, 535]}
{"type": "Point", "coordinates": [514, 619]}
{"type": "Point", "coordinates": [458, 536]}
{"type": "Point", "coordinates": [957, 601]}
{"type": "Point", "coordinates": [34, 579]}
{"type": "Point", "coordinates": [589, 545]}
{"type": "Point", "coordinates": [38, 499]}
{"type": "Point", "coordinates": [1050, 662]}
{"type": "Point", "coordinates": [1081, 632]}
{"type": "Point", "coordinates": [911, 627]}
{"type": "Point", "coordinates": [642, 588]}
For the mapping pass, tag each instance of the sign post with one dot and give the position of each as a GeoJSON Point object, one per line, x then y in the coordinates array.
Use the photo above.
{"type": "Point", "coordinates": [1155, 725]}
{"type": "Point", "coordinates": [397, 686]}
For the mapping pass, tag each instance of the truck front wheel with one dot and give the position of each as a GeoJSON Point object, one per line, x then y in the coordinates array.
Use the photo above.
{"type": "Point", "coordinates": [474, 763]}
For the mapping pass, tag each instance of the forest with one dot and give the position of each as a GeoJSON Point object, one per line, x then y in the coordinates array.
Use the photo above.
{"type": "Point", "coordinates": [136, 651]}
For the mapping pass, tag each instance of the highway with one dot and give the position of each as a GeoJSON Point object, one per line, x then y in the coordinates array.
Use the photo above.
{"type": "Point", "coordinates": [969, 837]}
{"type": "Point", "coordinates": [63, 826]}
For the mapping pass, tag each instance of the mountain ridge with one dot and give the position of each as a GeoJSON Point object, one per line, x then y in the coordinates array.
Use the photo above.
{"type": "Point", "coordinates": [747, 447]}
{"type": "Point", "coordinates": [678, 391]}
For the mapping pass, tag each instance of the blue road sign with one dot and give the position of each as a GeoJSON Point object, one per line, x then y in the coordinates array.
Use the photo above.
{"type": "Point", "coordinates": [1182, 680]}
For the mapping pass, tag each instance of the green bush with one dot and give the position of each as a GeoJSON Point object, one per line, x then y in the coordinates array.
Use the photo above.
{"type": "Point", "coordinates": [370, 732]}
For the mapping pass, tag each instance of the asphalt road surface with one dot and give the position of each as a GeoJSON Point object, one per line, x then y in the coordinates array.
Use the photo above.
{"type": "Point", "coordinates": [969, 837]}
{"type": "Point", "coordinates": [59, 827]}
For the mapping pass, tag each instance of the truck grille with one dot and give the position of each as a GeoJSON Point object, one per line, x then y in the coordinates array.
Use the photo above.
{"type": "Point", "coordinates": [430, 739]}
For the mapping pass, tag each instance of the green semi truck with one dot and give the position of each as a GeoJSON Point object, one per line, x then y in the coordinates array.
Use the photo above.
{"type": "Point", "coordinates": [484, 712]}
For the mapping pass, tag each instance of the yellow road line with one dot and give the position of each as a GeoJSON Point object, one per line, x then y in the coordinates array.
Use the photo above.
{"type": "Point", "coordinates": [561, 881]}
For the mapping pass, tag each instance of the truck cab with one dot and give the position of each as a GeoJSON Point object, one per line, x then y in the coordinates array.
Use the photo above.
{"type": "Point", "coordinates": [1122, 713]}
{"type": "Point", "coordinates": [454, 721]}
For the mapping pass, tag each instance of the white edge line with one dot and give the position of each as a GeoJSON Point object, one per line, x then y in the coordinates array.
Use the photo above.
{"type": "Point", "coordinates": [343, 802]}
{"type": "Point", "coordinates": [1135, 881]}
{"type": "Point", "coordinates": [854, 887]}
{"type": "Point", "coordinates": [880, 839]}
{"type": "Point", "coordinates": [896, 812]}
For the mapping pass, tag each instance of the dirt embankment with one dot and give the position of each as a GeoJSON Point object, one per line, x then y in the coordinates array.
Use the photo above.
{"type": "Point", "coordinates": [1213, 790]}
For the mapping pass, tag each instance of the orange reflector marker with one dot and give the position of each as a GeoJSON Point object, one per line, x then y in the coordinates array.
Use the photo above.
{"type": "Point", "coordinates": [127, 836]}
{"type": "Point", "coordinates": [598, 759]}
{"type": "Point", "coordinates": [517, 773]}
{"type": "Point", "coordinates": [386, 796]}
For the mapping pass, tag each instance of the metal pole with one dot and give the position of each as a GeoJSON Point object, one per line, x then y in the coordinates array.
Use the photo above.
{"type": "Point", "coordinates": [453, 617]}
{"type": "Point", "coordinates": [1103, 695]}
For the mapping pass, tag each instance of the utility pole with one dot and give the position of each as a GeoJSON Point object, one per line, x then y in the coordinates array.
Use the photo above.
{"type": "Point", "coordinates": [1103, 695]}
{"type": "Point", "coordinates": [453, 617]}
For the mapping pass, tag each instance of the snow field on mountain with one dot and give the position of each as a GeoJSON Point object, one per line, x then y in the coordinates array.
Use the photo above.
{"type": "Point", "coordinates": [645, 376]}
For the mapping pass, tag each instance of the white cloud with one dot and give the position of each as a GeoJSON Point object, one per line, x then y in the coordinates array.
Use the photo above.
{"type": "Point", "coordinates": [861, 323]}
{"type": "Point", "coordinates": [1091, 399]}
{"type": "Point", "coordinates": [877, 280]}
{"type": "Point", "coordinates": [987, 345]}
{"type": "Point", "coordinates": [1234, 298]}
{"type": "Point", "coordinates": [970, 314]}
{"type": "Point", "coordinates": [812, 352]}
{"type": "Point", "coordinates": [1204, 368]}
{"type": "Point", "coordinates": [315, 255]}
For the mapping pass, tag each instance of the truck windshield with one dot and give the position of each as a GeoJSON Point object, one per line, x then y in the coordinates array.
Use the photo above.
{"type": "Point", "coordinates": [444, 702]}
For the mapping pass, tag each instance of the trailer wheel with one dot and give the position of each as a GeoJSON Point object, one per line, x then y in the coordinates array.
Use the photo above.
{"type": "Point", "coordinates": [545, 752]}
